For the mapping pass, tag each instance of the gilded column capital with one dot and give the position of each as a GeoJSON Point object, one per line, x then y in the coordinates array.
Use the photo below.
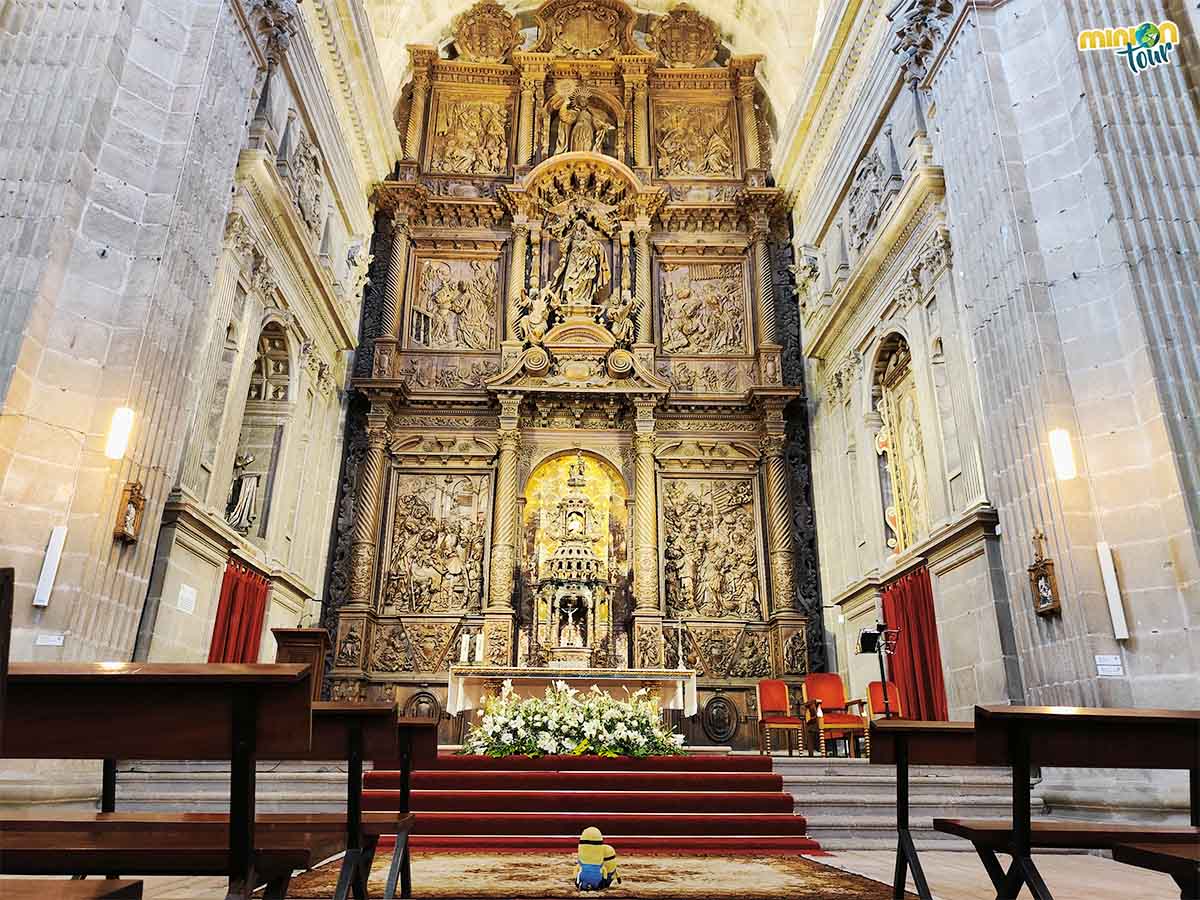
{"type": "Point", "coordinates": [645, 444]}
{"type": "Point", "coordinates": [773, 446]}
{"type": "Point", "coordinates": [510, 441]}
{"type": "Point", "coordinates": [377, 438]}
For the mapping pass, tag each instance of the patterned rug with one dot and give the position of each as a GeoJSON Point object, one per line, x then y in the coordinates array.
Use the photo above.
{"type": "Point", "coordinates": [471, 876]}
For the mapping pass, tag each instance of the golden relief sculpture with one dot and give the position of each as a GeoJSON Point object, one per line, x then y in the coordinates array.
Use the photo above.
{"type": "Point", "coordinates": [694, 140]}
{"type": "Point", "coordinates": [470, 137]}
{"type": "Point", "coordinates": [584, 275]}
{"type": "Point", "coordinates": [438, 544]}
{"type": "Point", "coordinates": [703, 309]}
{"type": "Point", "coordinates": [580, 123]}
{"type": "Point", "coordinates": [486, 33]}
{"type": "Point", "coordinates": [684, 39]}
{"type": "Point", "coordinates": [709, 553]}
{"type": "Point", "coordinates": [901, 445]}
{"type": "Point", "coordinates": [455, 305]}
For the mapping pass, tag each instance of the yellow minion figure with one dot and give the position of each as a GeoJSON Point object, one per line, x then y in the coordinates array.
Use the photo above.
{"type": "Point", "coordinates": [597, 868]}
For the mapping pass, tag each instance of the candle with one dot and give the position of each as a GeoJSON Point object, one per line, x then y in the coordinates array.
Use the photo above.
{"type": "Point", "coordinates": [479, 647]}
{"type": "Point", "coordinates": [679, 634]}
{"type": "Point", "coordinates": [464, 648]}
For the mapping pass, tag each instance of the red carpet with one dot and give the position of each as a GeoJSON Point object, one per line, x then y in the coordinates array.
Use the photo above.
{"type": "Point", "coordinates": [731, 804]}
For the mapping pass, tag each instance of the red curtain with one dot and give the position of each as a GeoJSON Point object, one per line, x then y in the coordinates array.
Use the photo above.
{"type": "Point", "coordinates": [917, 663]}
{"type": "Point", "coordinates": [240, 614]}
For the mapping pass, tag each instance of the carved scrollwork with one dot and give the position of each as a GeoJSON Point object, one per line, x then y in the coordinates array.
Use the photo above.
{"type": "Point", "coordinates": [866, 199]}
{"type": "Point", "coordinates": [423, 705]}
{"type": "Point", "coordinates": [919, 27]}
{"type": "Point", "coordinates": [486, 33]}
{"type": "Point", "coordinates": [841, 379]}
{"type": "Point", "coordinates": [585, 29]}
{"type": "Point", "coordinates": [430, 641]}
{"type": "Point", "coordinates": [720, 719]}
{"type": "Point", "coordinates": [684, 39]}
{"type": "Point", "coordinates": [308, 184]}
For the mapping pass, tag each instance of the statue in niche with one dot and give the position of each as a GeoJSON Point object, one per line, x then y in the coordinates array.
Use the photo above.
{"type": "Point", "coordinates": [241, 510]}
{"type": "Point", "coordinates": [470, 137]}
{"type": "Point", "coordinates": [693, 140]}
{"type": "Point", "coordinates": [437, 545]}
{"type": "Point", "coordinates": [900, 444]}
{"type": "Point", "coordinates": [583, 273]}
{"type": "Point", "coordinates": [535, 317]}
{"type": "Point", "coordinates": [570, 632]}
{"type": "Point", "coordinates": [704, 309]}
{"type": "Point", "coordinates": [309, 183]}
{"type": "Point", "coordinates": [710, 558]}
{"type": "Point", "coordinates": [350, 648]}
{"type": "Point", "coordinates": [455, 306]}
{"type": "Point", "coordinates": [583, 126]}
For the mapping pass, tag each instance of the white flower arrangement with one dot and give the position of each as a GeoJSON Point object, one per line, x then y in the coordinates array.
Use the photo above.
{"type": "Point", "coordinates": [567, 722]}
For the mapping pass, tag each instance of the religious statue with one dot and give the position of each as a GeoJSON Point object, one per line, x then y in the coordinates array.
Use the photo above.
{"type": "Point", "coordinates": [570, 634]}
{"type": "Point", "coordinates": [620, 319]}
{"type": "Point", "coordinates": [582, 125]}
{"type": "Point", "coordinates": [241, 511]}
{"type": "Point", "coordinates": [350, 649]}
{"type": "Point", "coordinates": [535, 317]}
{"type": "Point", "coordinates": [584, 272]}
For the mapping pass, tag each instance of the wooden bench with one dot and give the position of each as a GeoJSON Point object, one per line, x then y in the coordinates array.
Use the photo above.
{"type": "Point", "coordinates": [45, 889]}
{"type": "Point", "coordinates": [1023, 737]}
{"type": "Point", "coordinates": [1180, 861]}
{"type": "Point", "coordinates": [112, 711]}
{"type": "Point", "coordinates": [904, 743]}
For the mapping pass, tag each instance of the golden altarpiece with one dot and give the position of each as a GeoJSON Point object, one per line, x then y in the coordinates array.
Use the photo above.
{"type": "Point", "coordinates": [573, 366]}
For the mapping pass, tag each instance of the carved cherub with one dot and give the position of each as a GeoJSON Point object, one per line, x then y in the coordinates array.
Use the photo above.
{"type": "Point", "coordinates": [621, 319]}
{"type": "Point", "coordinates": [535, 317]}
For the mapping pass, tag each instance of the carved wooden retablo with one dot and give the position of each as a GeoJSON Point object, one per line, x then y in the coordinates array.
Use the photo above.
{"type": "Point", "coordinates": [575, 442]}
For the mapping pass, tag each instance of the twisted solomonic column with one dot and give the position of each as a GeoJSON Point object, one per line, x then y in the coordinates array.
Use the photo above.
{"type": "Point", "coordinates": [516, 278]}
{"type": "Point", "coordinates": [765, 283]}
{"type": "Point", "coordinates": [416, 115]}
{"type": "Point", "coordinates": [366, 512]}
{"type": "Point", "coordinates": [525, 128]}
{"type": "Point", "coordinates": [746, 91]}
{"type": "Point", "coordinates": [393, 286]}
{"type": "Point", "coordinates": [780, 547]}
{"type": "Point", "coordinates": [645, 304]}
{"type": "Point", "coordinates": [641, 124]}
{"type": "Point", "coordinates": [504, 532]}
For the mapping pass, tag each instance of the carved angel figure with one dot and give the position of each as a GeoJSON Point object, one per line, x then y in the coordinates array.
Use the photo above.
{"type": "Point", "coordinates": [620, 319]}
{"type": "Point", "coordinates": [535, 317]}
{"type": "Point", "coordinates": [584, 271]}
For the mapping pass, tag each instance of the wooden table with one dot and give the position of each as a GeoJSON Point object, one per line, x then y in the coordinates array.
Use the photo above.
{"type": "Point", "coordinates": [113, 711]}
{"type": "Point", "coordinates": [901, 742]}
{"type": "Point", "coordinates": [1180, 861]}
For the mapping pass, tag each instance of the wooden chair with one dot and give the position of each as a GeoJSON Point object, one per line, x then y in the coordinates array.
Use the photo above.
{"type": "Point", "coordinates": [774, 712]}
{"type": "Point", "coordinates": [877, 709]}
{"type": "Point", "coordinates": [827, 714]}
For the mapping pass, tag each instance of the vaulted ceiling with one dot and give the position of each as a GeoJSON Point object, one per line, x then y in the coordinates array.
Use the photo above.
{"type": "Point", "coordinates": [781, 30]}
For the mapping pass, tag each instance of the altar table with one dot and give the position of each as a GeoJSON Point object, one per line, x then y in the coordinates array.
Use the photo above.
{"type": "Point", "coordinates": [469, 685]}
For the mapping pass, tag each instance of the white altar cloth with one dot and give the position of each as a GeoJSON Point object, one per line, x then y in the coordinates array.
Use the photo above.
{"type": "Point", "coordinates": [469, 684]}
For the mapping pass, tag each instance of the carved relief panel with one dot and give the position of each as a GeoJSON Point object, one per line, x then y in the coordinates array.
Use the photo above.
{"type": "Point", "coordinates": [455, 303]}
{"type": "Point", "coordinates": [695, 139]}
{"type": "Point", "coordinates": [436, 542]}
{"type": "Point", "coordinates": [470, 134]}
{"type": "Point", "coordinates": [703, 308]}
{"type": "Point", "coordinates": [711, 553]}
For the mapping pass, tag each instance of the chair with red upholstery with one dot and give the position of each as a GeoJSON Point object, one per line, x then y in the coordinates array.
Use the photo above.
{"type": "Point", "coordinates": [774, 713]}
{"type": "Point", "coordinates": [876, 708]}
{"type": "Point", "coordinates": [827, 714]}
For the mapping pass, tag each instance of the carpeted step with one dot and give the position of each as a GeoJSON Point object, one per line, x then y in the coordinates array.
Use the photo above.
{"type": "Point", "coordinates": [704, 763]}
{"type": "Point", "coordinates": [753, 845]}
{"type": "Point", "coordinates": [584, 801]}
{"type": "Point", "coordinates": [726, 782]}
{"type": "Point", "coordinates": [612, 824]}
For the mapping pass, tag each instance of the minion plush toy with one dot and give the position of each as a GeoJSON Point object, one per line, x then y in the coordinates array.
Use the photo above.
{"type": "Point", "coordinates": [597, 867]}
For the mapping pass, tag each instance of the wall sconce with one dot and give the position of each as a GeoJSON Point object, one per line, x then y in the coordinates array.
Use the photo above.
{"type": "Point", "coordinates": [118, 432]}
{"type": "Point", "coordinates": [1063, 454]}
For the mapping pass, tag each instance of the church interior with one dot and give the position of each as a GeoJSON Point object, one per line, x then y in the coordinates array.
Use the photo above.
{"type": "Point", "coordinates": [430, 432]}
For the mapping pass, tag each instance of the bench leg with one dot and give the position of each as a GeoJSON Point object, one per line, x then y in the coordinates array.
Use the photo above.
{"type": "Point", "coordinates": [907, 860]}
{"type": "Point", "coordinates": [992, 866]}
{"type": "Point", "coordinates": [1023, 873]}
{"type": "Point", "coordinates": [398, 868]}
{"type": "Point", "coordinates": [1189, 885]}
{"type": "Point", "coordinates": [277, 887]}
{"type": "Point", "coordinates": [243, 888]}
{"type": "Point", "coordinates": [353, 876]}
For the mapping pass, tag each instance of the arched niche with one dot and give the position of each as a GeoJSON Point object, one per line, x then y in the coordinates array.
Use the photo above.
{"type": "Point", "coordinates": [899, 444]}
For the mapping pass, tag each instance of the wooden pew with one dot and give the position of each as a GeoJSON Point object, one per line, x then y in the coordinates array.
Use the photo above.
{"type": "Point", "coordinates": [114, 711]}
{"type": "Point", "coordinates": [1180, 861]}
{"type": "Point", "coordinates": [904, 743]}
{"type": "Point", "coordinates": [1024, 737]}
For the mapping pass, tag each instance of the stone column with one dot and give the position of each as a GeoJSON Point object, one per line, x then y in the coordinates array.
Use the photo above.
{"type": "Point", "coordinates": [645, 296]}
{"type": "Point", "coordinates": [504, 530]}
{"type": "Point", "coordinates": [416, 115]}
{"type": "Point", "coordinates": [516, 277]}
{"type": "Point", "coordinates": [366, 513]}
{"type": "Point", "coordinates": [780, 548]}
{"type": "Point", "coordinates": [764, 284]}
{"type": "Point", "coordinates": [746, 91]}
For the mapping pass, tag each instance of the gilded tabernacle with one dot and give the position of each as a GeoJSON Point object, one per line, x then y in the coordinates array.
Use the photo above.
{"type": "Point", "coordinates": [581, 446]}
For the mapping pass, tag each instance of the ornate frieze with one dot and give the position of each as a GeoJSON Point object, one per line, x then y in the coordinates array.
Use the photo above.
{"type": "Point", "coordinates": [919, 28]}
{"type": "Point", "coordinates": [841, 379]}
{"type": "Point", "coordinates": [437, 543]}
{"type": "Point", "coordinates": [717, 377]}
{"type": "Point", "coordinates": [585, 29]}
{"type": "Point", "coordinates": [694, 139]}
{"type": "Point", "coordinates": [710, 563]}
{"type": "Point", "coordinates": [446, 373]}
{"type": "Point", "coordinates": [703, 309]}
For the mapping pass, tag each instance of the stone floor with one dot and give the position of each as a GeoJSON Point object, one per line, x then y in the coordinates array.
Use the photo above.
{"type": "Point", "coordinates": [952, 876]}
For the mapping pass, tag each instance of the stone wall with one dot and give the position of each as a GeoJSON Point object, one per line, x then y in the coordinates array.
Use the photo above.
{"type": "Point", "coordinates": [1071, 226]}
